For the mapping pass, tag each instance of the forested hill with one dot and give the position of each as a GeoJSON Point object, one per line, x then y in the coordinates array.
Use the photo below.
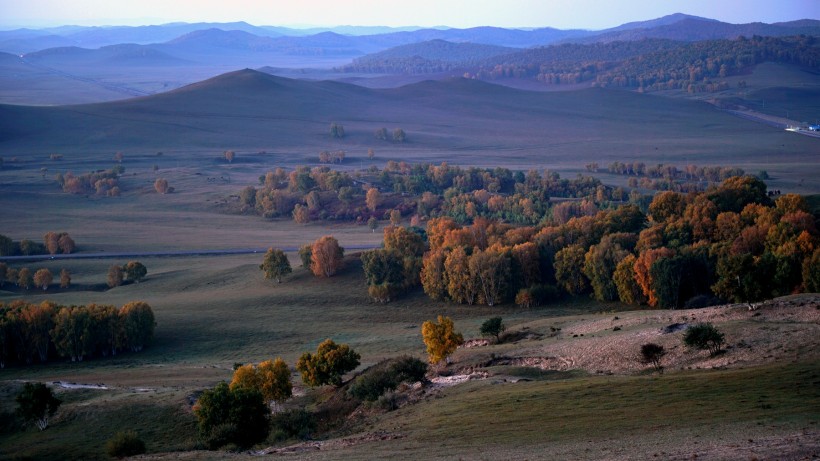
{"type": "Point", "coordinates": [649, 64]}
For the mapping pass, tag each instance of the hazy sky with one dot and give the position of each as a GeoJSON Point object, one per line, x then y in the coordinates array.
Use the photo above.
{"type": "Point", "coordinates": [563, 14]}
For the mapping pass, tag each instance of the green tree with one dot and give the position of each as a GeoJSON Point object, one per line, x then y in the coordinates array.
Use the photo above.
{"type": "Point", "coordinates": [124, 444]}
{"type": "Point", "coordinates": [135, 271]}
{"type": "Point", "coordinates": [275, 265]}
{"type": "Point", "coordinates": [629, 292]}
{"type": "Point", "coordinates": [811, 272]}
{"type": "Point", "coordinates": [305, 254]}
{"type": "Point", "coordinates": [36, 403]}
{"type": "Point", "coordinates": [652, 353]}
{"type": "Point", "coordinates": [493, 327]}
{"type": "Point", "coordinates": [492, 273]}
{"type": "Point", "coordinates": [328, 365]}
{"type": "Point", "coordinates": [600, 263]}
{"type": "Point", "coordinates": [137, 325]}
{"type": "Point", "coordinates": [704, 336]}
{"type": "Point", "coordinates": [440, 338]}
{"type": "Point", "coordinates": [237, 416]}
{"type": "Point", "coordinates": [7, 246]}
{"type": "Point", "coordinates": [569, 274]}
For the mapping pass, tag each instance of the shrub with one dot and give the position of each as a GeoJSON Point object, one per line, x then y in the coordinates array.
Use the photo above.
{"type": "Point", "coordinates": [237, 416]}
{"type": "Point", "coordinates": [386, 376]}
{"type": "Point", "coordinates": [493, 327]}
{"type": "Point", "coordinates": [652, 353]}
{"type": "Point", "coordinates": [704, 336]}
{"type": "Point", "coordinates": [292, 424]}
{"type": "Point", "coordinates": [123, 444]}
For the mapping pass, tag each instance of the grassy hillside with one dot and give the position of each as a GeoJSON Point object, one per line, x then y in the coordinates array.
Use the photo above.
{"type": "Point", "coordinates": [460, 121]}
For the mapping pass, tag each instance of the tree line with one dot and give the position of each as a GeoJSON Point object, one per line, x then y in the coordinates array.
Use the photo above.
{"type": "Point", "coordinates": [53, 243]}
{"type": "Point", "coordinates": [100, 182]}
{"type": "Point", "coordinates": [39, 332]}
{"type": "Point", "coordinates": [646, 65]}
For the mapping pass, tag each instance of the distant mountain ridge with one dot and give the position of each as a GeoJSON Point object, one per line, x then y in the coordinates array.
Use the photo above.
{"type": "Point", "coordinates": [374, 39]}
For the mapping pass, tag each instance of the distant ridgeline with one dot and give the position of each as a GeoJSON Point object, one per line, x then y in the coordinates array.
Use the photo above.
{"type": "Point", "coordinates": [649, 64]}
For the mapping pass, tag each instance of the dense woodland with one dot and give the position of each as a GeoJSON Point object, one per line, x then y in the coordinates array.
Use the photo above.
{"type": "Point", "coordinates": [730, 243]}
{"type": "Point", "coordinates": [647, 65]}
{"type": "Point", "coordinates": [41, 332]}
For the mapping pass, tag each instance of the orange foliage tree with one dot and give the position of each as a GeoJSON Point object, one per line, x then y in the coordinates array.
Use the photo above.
{"type": "Point", "coordinates": [326, 256]}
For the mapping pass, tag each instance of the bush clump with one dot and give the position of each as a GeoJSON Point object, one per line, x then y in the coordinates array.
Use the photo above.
{"type": "Point", "coordinates": [386, 376]}
{"type": "Point", "coordinates": [124, 444]}
{"type": "Point", "coordinates": [704, 336]}
{"type": "Point", "coordinates": [292, 424]}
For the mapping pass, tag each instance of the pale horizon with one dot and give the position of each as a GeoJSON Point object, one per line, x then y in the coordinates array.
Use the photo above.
{"type": "Point", "coordinates": [561, 14]}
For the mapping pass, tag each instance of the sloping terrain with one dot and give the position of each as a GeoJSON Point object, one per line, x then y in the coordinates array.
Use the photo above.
{"type": "Point", "coordinates": [461, 121]}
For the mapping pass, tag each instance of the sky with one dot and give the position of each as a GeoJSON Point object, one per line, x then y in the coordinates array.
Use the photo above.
{"type": "Point", "coordinates": [562, 14]}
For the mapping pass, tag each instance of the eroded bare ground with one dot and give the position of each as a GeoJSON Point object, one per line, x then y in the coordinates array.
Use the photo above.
{"type": "Point", "coordinates": [784, 329]}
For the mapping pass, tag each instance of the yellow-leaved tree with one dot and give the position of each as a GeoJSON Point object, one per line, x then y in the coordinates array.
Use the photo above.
{"type": "Point", "coordinates": [271, 378]}
{"type": "Point", "coordinates": [440, 338]}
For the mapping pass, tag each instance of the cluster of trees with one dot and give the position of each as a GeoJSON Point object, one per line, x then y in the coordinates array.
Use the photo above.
{"type": "Point", "coordinates": [239, 413]}
{"type": "Point", "coordinates": [331, 157]}
{"type": "Point", "coordinates": [53, 243]}
{"type": "Point", "coordinates": [423, 190]}
{"type": "Point", "coordinates": [26, 279]}
{"type": "Point", "coordinates": [133, 271]}
{"type": "Point", "coordinates": [337, 130]}
{"type": "Point", "coordinates": [30, 332]}
{"type": "Point", "coordinates": [395, 268]}
{"type": "Point", "coordinates": [731, 242]}
{"type": "Point", "coordinates": [101, 182]}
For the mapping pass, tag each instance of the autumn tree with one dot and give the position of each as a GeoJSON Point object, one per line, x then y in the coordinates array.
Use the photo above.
{"type": "Point", "coordinates": [326, 256]}
{"type": "Point", "coordinates": [37, 323]}
{"type": "Point", "coordinates": [65, 278]}
{"type": "Point", "coordinates": [66, 243]}
{"type": "Point", "coordinates": [380, 134]}
{"type": "Point", "coordinates": [24, 278]}
{"type": "Point", "coordinates": [462, 286]}
{"type": "Point", "coordinates": [134, 271]}
{"type": "Point", "coordinates": [643, 275]}
{"type": "Point", "coordinates": [270, 378]}
{"type": "Point", "coordinates": [161, 185]}
{"type": "Point", "coordinates": [72, 332]}
{"type": "Point", "coordinates": [599, 267]}
{"type": "Point", "coordinates": [275, 264]}
{"type": "Point", "coordinates": [115, 276]}
{"type": "Point", "coordinates": [492, 274]}
{"type": "Point", "coordinates": [230, 155]}
{"type": "Point", "coordinates": [301, 214]}
{"type": "Point", "coordinates": [440, 338]}
{"type": "Point", "coordinates": [36, 403]}
{"type": "Point", "coordinates": [43, 278]}
{"type": "Point", "coordinates": [629, 292]}
{"type": "Point", "coordinates": [433, 274]}
{"type": "Point", "coordinates": [373, 198]}
{"type": "Point", "coordinates": [328, 365]}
